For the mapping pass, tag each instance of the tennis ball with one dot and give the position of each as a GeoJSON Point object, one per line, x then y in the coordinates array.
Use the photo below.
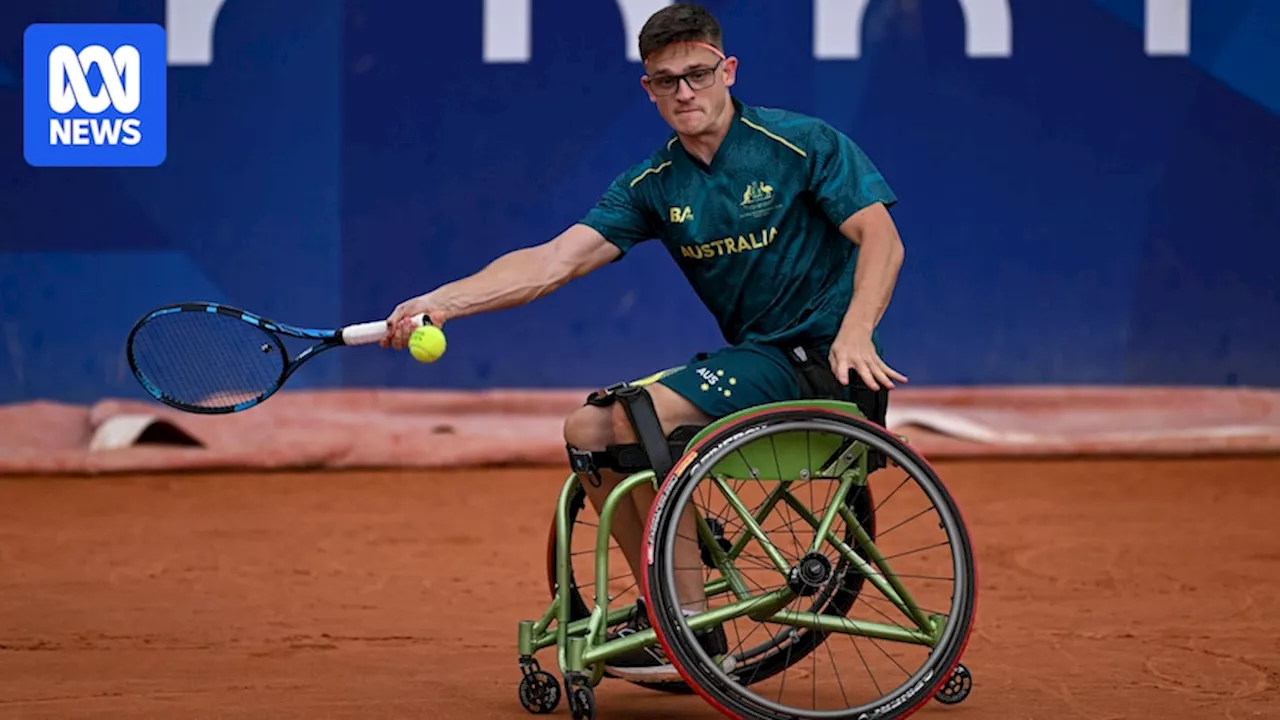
{"type": "Point", "coordinates": [427, 344]}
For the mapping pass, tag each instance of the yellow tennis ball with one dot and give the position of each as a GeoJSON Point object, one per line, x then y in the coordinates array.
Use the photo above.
{"type": "Point", "coordinates": [427, 344]}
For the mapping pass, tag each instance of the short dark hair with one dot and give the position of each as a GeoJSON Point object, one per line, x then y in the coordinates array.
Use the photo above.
{"type": "Point", "coordinates": [681, 22]}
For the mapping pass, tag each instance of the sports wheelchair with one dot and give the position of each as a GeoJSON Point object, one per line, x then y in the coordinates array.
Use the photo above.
{"type": "Point", "coordinates": [832, 555]}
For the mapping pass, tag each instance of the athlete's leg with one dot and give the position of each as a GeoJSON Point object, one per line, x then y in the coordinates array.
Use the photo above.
{"type": "Point", "coordinates": [593, 428]}
{"type": "Point", "coordinates": [714, 386]}
{"type": "Point", "coordinates": [673, 411]}
{"type": "Point", "coordinates": [711, 386]}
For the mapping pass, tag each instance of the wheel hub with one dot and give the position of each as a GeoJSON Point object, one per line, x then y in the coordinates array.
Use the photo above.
{"type": "Point", "coordinates": [811, 573]}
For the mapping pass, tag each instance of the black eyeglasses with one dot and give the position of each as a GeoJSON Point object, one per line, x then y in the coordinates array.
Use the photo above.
{"type": "Point", "coordinates": [698, 79]}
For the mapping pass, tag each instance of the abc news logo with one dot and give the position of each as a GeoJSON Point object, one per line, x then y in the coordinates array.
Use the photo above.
{"type": "Point", "coordinates": [121, 90]}
{"type": "Point", "coordinates": [94, 95]}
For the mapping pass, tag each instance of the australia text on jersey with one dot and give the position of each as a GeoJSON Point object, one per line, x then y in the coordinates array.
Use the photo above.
{"type": "Point", "coordinates": [749, 242]}
{"type": "Point", "coordinates": [757, 200]}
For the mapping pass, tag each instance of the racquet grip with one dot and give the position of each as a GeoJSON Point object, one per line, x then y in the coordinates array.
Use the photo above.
{"type": "Point", "coordinates": [371, 332]}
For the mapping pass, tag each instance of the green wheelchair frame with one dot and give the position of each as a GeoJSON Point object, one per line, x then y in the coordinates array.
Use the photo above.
{"type": "Point", "coordinates": [582, 649]}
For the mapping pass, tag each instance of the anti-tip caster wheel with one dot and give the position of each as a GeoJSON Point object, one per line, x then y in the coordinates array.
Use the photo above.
{"type": "Point", "coordinates": [957, 687]}
{"type": "Point", "coordinates": [582, 700]}
{"type": "Point", "coordinates": [539, 691]}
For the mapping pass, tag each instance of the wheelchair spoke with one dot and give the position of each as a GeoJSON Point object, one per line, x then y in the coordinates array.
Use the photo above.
{"type": "Point", "coordinates": [873, 599]}
{"type": "Point", "coordinates": [885, 500]}
{"type": "Point", "coordinates": [904, 522]}
{"type": "Point", "coordinates": [927, 548]}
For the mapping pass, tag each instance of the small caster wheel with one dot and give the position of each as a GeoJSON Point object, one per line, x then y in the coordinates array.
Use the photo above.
{"type": "Point", "coordinates": [539, 692]}
{"type": "Point", "coordinates": [582, 701]}
{"type": "Point", "coordinates": [957, 687]}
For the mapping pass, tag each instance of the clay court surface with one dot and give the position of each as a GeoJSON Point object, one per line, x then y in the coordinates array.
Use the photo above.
{"type": "Point", "coordinates": [1109, 589]}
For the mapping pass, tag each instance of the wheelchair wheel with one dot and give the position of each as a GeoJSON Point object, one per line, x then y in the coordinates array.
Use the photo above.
{"type": "Point", "coordinates": [761, 659]}
{"type": "Point", "coordinates": [781, 479]}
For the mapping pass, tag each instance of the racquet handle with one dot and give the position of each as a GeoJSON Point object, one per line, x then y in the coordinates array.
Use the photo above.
{"type": "Point", "coordinates": [372, 332]}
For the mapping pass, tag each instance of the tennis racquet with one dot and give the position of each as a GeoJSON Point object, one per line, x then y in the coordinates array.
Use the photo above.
{"type": "Point", "coordinates": [213, 359]}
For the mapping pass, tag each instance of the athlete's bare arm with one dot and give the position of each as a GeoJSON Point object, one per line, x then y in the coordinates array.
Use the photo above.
{"type": "Point", "coordinates": [880, 256]}
{"type": "Point", "coordinates": [518, 277]}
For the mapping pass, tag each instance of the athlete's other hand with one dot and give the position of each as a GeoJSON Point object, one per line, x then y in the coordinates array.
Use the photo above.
{"type": "Point", "coordinates": [400, 323]}
{"type": "Point", "coordinates": [853, 350]}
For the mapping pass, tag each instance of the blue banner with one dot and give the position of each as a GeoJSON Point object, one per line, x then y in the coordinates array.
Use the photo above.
{"type": "Point", "coordinates": [1087, 187]}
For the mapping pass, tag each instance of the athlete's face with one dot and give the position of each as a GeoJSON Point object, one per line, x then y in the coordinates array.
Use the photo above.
{"type": "Point", "coordinates": [690, 85]}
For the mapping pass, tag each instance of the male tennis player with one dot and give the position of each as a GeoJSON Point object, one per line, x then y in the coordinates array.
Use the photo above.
{"type": "Point", "coordinates": [778, 221]}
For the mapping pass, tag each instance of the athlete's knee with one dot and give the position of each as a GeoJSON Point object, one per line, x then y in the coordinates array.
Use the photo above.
{"type": "Point", "coordinates": [622, 429]}
{"type": "Point", "coordinates": [620, 424]}
{"type": "Point", "coordinates": [589, 428]}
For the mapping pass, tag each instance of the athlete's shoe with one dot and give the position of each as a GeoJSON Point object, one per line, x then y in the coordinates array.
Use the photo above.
{"type": "Point", "coordinates": [650, 664]}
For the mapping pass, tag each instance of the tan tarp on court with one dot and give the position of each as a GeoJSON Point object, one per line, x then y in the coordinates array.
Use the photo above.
{"type": "Point", "coordinates": [373, 429]}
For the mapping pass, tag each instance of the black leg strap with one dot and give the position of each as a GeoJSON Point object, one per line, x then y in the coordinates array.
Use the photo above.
{"type": "Point", "coordinates": [654, 450]}
{"type": "Point", "coordinates": [625, 458]}
{"type": "Point", "coordinates": [638, 405]}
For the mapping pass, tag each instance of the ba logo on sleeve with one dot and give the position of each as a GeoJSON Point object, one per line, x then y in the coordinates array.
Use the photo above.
{"type": "Point", "coordinates": [94, 95]}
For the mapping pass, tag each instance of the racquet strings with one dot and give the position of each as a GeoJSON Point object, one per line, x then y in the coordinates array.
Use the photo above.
{"type": "Point", "coordinates": [207, 360]}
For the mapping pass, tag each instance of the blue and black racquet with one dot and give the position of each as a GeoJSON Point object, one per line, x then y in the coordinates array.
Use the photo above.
{"type": "Point", "coordinates": [214, 359]}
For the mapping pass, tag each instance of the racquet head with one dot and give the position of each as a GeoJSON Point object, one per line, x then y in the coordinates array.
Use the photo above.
{"type": "Point", "coordinates": [208, 358]}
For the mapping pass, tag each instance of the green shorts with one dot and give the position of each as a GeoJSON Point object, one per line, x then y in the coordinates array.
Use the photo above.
{"type": "Point", "coordinates": [747, 375]}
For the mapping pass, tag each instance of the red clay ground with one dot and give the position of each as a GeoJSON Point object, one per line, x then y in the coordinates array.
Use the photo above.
{"type": "Point", "coordinates": [1116, 589]}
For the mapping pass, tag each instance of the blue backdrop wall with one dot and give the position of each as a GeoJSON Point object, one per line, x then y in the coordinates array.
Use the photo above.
{"type": "Point", "coordinates": [1076, 210]}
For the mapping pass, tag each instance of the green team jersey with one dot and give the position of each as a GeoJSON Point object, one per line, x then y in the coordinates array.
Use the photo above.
{"type": "Point", "coordinates": [757, 232]}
